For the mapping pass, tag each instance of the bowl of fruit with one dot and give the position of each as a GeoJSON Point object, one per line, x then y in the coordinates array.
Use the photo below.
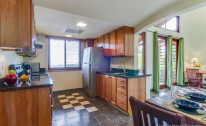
{"type": "Point", "coordinates": [11, 78]}
{"type": "Point", "coordinates": [24, 78]}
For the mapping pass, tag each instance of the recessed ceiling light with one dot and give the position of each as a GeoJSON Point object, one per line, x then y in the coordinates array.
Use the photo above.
{"type": "Point", "coordinates": [68, 35]}
{"type": "Point", "coordinates": [80, 24]}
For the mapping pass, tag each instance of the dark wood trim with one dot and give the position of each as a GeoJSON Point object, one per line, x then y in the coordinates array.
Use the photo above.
{"type": "Point", "coordinates": [143, 34]}
{"type": "Point", "coordinates": [65, 41]}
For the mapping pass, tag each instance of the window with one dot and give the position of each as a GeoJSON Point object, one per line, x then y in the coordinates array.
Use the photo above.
{"type": "Point", "coordinates": [64, 54]}
{"type": "Point", "coordinates": [163, 60]}
{"type": "Point", "coordinates": [141, 53]}
{"type": "Point", "coordinates": [171, 24]}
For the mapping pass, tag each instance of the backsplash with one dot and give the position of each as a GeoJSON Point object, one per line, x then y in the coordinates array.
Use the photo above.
{"type": "Point", "coordinates": [7, 58]}
{"type": "Point", "coordinates": [126, 62]}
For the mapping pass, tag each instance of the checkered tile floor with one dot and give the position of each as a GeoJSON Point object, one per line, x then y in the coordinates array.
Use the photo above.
{"type": "Point", "coordinates": [75, 102]}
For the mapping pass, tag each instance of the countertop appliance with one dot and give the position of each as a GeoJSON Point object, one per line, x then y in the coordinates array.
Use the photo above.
{"type": "Point", "coordinates": [35, 67]}
{"type": "Point", "coordinates": [93, 60]}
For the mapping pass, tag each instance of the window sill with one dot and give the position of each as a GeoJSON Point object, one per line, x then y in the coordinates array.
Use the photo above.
{"type": "Point", "coordinates": [63, 70]}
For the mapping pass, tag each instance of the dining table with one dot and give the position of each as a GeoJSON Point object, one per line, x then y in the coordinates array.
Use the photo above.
{"type": "Point", "coordinates": [166, 97]}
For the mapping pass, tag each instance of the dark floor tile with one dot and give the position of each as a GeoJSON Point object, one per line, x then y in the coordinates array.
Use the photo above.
{"type": "Point", "coordinates": [117, 120]}
{"type": "Point", "coordinates": [126, 124]}
{"type": "Point", "coordinates": [107, 123]}
{"type": "Point", "coordinates": [100, 118]}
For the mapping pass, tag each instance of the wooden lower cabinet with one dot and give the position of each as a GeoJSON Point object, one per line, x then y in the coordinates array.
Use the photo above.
{"type": "Point", "coordinates": [29, 107]}
{"type": "Point", "coordinates": [122, 102]}
{"type": "Point", "coordinates": [107, 88]}
{"type": "Point", "coordinates": [117, 90]}
{"type": "Point", "coordinates": [113, 81]}
{"type": "Point", "coordinates": [100, 85]}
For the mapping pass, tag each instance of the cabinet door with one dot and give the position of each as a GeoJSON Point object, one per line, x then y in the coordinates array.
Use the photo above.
{"type": "Point", "coordinates": [96, 42]}
{"type": "Point", "coordinates": [113, 90]}
{"type": "Point", "coordinates": [107, 88]}
{"type": "Point", "coordinates": [106, 45]}
{"type": "Point", "coordinates": [100, 86]}
{"type": "Point", "coordinates": [119, 42]}
{"type": "Point", "coordinates": [129, 41]}
{"type": "Point", "coordinates": [9, 23]}
{"type": "Point", "coordinates": [100, 42]}
{"type": "Point", "coordinates": [15, 23]}
{"type": "Point", "coordinates": [112, 43]}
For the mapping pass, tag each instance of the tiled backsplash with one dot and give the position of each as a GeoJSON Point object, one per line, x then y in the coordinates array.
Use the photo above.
{"type": "Point", "coordinates": [126, 62]}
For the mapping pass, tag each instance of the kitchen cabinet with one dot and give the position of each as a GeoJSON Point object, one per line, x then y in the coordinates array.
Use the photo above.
{"type": "Point", "coordinates": [122, 93]}
{"type": "Point", "coordinates": [113, 90]}
{"type": "Point", "coordinates": [108, 88]}
{"type": "Point", "coordinates": [112, 44]}
{"type": "Point", "coordinates": [117, 90]}
{"type": "Point", "coordinates": [17, 26]}
{"type": "Point", "coordinates": [89, 43]}
{"type": "Point", "coordinates": [106, 45]}
{"type": "Point", "coordinates": [100, 85]}
{"type": "Point", "coordinates": [124, 41]}
{"type": "Point", "coordinates": [26, 107]}
{"type": "Point", "coordinates": [119, 42]}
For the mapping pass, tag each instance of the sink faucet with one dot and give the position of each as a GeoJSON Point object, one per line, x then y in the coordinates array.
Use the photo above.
{"type": "Point", "coordinates": [123, 68]}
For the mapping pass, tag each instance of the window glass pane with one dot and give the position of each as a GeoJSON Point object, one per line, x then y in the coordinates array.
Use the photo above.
{"type": "Point", "coordinates": [174, 60]}
{"type": "Point", "coordinates": [162, 60]}
{"type": "Point", "coordinates": [72, 54]}
{"type": "Point", "coordinates": [57, 53]}
{"type": "Point", "coordinates": [172, 24]}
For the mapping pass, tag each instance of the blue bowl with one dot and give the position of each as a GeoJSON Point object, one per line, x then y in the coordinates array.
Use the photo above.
{"type": "Point", "coordinates": [187, 105]}
{"type": "Point", "coordinates": [197, 96]}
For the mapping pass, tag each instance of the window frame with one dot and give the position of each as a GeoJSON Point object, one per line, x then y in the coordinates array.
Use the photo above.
{"type": "Point", "coordinates": [177, 46]}
{"type": "Point", "coordinates": [165, 21]}
{"type": "Point", "coordinates": [162, 86]}
{"type": "Point", "coordinates": [143, 34]}
{"type": "Point", "coordinates": [64, 68]}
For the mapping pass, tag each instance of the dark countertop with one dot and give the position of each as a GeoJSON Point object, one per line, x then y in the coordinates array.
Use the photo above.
{"type": "Point", "coordinates": [125, 76]}
{"type": "Point", "coordinates": [36, 81]}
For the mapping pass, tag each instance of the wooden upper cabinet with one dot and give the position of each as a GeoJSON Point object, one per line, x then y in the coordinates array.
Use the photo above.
{"type": "Point", "coordinates": [112, 44]}
{"type": "Point", "coordinates": [16, 23]}
{"type": "Point", "coordinates": [100, 42]}
{"type": "Point", "coordinates": [96, 42]}
{"type": "Point", "coordinates": [106, 45]}
{"type": "Point", "coordinates": [125, 41]}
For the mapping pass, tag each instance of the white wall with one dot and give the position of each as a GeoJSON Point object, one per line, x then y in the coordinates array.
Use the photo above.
{"type": "Point", "coordinates": [7, 58]}
{"type": "Point", "coordinates": [193, 28]}
{"type": "Point", "coordinates": [62, 79]}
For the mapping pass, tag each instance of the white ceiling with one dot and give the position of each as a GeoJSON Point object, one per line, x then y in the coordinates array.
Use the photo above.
{"type": "Point", "coordinates": [101, 16]}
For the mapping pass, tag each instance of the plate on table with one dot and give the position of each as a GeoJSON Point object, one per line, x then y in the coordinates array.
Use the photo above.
{"type": "Point", "coordinates": [189, 107]}
{"type": "Point", "coordinates": [196, 96]}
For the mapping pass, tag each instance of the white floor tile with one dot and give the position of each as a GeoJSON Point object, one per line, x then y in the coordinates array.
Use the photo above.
{"type": "Point", "coordinates": [69, 97]}
{"type": "Point", "coordinates": [85, 103]}
{"type": "Point", "coordinates": [67, 106]}
{"type": "Point", "coordinates": [79, 107]}
{"type": "Point", "coordinates": [91, 109]}
{"type": "Point", "coordinates": [78, 98]}
{"type": "Point", "coordinates": [74, 101]}
{"type": "Point", "coordinates": [61, 96]}
{"type": "Point", "coordinates": [64, 100]}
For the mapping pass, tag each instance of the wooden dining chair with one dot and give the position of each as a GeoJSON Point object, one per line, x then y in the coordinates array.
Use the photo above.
{"type": "Point", "coordinates": [147, 115]}
{"type": "Point", "coordinates": [194, 78]}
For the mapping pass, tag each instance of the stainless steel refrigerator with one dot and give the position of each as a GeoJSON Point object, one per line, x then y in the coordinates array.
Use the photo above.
{"type": "Point", "coordinates": [93, 60]}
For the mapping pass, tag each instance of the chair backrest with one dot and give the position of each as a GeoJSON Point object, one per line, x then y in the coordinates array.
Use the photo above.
{"type": "Point", "coordinates": [147, 115]}
{"type": "Point", "coordinates": [192, 73]}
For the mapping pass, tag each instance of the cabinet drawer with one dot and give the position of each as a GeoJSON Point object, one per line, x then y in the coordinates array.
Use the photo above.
{"type": "Point", "coordinates": [122, 86]}
{"type": "Point", "coordinates": [122, 102]}
{"type": "Point", "coordinates": [121, 80]}
{"type": "Point", "coordinates": [121, 91]}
